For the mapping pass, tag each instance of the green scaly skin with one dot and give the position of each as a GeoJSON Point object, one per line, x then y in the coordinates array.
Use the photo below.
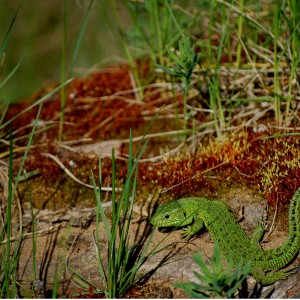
{"type": "Point", "coordinates": [195, 213]}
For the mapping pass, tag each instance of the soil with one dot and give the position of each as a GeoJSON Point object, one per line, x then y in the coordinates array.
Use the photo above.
{"type": "Point", "coordinates": [66, 243]}
{"type": "Point", "coordinates": [99, 112]}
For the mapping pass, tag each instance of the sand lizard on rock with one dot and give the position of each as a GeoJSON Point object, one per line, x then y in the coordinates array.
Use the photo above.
{"type": "Point", "coordinates": [215, 215]}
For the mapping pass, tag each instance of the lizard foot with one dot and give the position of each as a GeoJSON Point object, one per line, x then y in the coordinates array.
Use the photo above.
{"type": "Point", "coordinates": [187, 232]}
{"type": "Point", "coordinates": [273, 276]}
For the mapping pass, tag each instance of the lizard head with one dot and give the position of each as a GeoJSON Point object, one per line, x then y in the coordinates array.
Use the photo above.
{"type": "Point", "coordinates": [171, 214]}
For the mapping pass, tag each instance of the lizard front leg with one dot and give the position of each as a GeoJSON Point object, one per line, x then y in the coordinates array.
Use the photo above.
{"type": "Point", "coordinates": [190, 230]}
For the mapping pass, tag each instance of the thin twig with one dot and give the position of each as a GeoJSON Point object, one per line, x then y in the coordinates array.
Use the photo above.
{"type": "Point", "coordinates": [272, 227]}
{"type": "Point", "coordinates": [28, 235]}
{"type": "Point", "coordinates": [69, 173]}
{"type": "Point", "coordinates": [196, 175]}
{"type": "Point", "coordinates": [243, 174]}
{"type": "Point", "coordinates": [249, 58]}
{"type": "Point", "coordinates": [107, 120]}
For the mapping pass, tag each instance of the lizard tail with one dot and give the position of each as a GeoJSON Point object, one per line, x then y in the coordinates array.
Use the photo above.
{"type": "Point", "coordinates": [284, 254]}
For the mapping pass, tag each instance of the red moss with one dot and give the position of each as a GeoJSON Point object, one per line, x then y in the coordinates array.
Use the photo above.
{"type": "Point", "coordinates": [84, 110]}
{"type": "Point", "coordinates": [285, 189]}
{"type": "Point", "coordinates": [93, 110]}
{"type": "Point", "coordinates": [186, 176]}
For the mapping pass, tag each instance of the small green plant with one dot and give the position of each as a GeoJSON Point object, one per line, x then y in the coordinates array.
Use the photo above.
{"type": "Point", "coordinates": [184, 64]}
{"type": "Point", "coordinates": [122, 265]}
{"type": "Point", "coordinates": [220, 282]}
{"type": "Point", "coordinates": [125, 257]}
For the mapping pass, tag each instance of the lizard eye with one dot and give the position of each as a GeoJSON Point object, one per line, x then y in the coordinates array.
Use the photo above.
{"type": "Point", "coordinates": [184, 214]}
{"type": "Point", "coordinates": [167, 216]}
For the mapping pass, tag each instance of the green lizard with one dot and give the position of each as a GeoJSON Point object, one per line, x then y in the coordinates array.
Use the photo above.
{"type": "Point", "coordinates": [215, 215]}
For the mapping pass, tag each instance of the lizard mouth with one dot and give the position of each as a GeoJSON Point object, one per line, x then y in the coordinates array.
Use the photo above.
{"type": "Point", "coordinates": [167, 229]}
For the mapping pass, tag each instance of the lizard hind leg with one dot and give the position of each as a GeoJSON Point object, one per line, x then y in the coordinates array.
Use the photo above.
{"type": "Point", "coordinates": [271, 277]}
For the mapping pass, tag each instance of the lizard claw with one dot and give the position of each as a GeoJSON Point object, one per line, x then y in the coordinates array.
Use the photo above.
{"type": "Point", "coordinates": [187, 232]}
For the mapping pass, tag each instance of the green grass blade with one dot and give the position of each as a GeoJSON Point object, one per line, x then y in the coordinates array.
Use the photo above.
{"type": "Point", "coordinates": [174, 18]}
{"type": "Point", "coordinates": [125, 230]}
{"type": "Point", "coordinates": [191, 289]}
{"type": "Point", "coordinates": [33, 229]}
{"type": "Point", "coordinates": [4, 43]}
{"type": "Point", "coordinates": [130, 279]}
{"type": "Point", "coordinates": [7, 268]}
{"type": "Point", "coordinates": [81, 33]}
{"type": "Point", "coordinates": [14, 264]}
{"type": "Point", "coordinates": [81, 280]}
{"type": "Point", "coordinates": [100, 211]}
{"type": "Point", "coordinates": [63, 93]}
{"type": "Point", "coordinates": [35, 104]}
{"type": "Point", "coordinates": [97, 192]}
{"type": "Point", "coordinates": [113, 261]}
{"type": "Point", "coordinates": [27, 147]}
{"type": "Point", "coordinates": [118, 35]}
{"type": "Point", "coordinates": [198, 258]}
{"type": "Point", "coordinates": [4, 111]}
{"type": "Point", "coordinates": [10, 75]}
